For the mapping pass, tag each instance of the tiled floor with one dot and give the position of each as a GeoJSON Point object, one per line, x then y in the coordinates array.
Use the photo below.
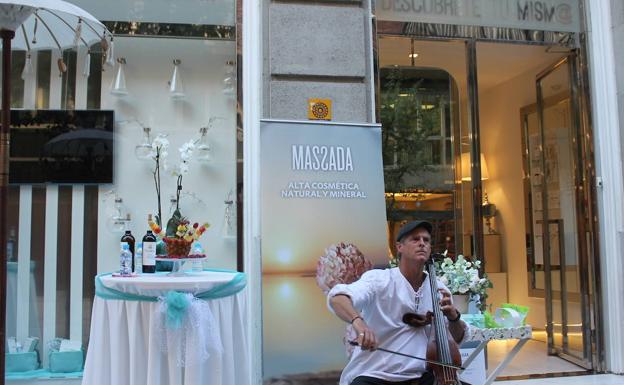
{"type": "Point", "coordinates": [598, 379]}
{"type": "Point", "coordinates": [531, 359]}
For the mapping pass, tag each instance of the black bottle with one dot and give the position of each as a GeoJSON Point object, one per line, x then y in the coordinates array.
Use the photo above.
{"type": "Point", "coordinates": [129, 239]}
{"type": "Point", "coordinates": [149, 252]}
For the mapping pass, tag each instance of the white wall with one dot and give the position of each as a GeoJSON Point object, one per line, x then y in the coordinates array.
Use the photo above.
{"type": "Point", "coordinates": [501, 144]}
{"type": "Point", "coordinates": [605, 61]}
{"type": "Point", "coordinates": [149, 67]}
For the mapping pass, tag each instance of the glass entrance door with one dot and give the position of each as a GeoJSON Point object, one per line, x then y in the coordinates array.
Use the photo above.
{"type": "Point", "coordinates": [559, 223]}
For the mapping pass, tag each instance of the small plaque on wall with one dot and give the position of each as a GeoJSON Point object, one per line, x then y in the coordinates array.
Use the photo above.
{"type": "Point", "coordinates": [319, 109]}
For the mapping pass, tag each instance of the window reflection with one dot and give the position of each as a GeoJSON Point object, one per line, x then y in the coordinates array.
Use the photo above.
{"type": "Point", "coordinates": [416, 110]}
{"type": "Point", "coordinates": [18, 58]}
{"type": "Point", "coordinates": [44, 66]}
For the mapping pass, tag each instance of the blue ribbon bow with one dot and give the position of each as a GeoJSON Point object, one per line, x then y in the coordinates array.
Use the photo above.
{"type": "Point", "coordinates": [177, 304]}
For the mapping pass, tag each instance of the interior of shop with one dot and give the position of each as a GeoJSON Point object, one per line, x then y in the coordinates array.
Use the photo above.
{"type": "Point", "coordinates": [509, 138]}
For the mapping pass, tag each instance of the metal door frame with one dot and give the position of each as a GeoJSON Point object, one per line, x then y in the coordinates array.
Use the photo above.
{"type": "Point", "coordinates": [569, 42]}
{"type": "Point", "coordinates": [582, 229]}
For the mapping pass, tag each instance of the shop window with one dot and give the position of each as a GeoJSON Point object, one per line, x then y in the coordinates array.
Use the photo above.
{"type": "Point", "coordinates": [62, 235]}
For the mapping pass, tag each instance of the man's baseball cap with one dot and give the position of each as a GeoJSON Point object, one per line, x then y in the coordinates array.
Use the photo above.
{"type": "Point", "coordinates": [411, 226]}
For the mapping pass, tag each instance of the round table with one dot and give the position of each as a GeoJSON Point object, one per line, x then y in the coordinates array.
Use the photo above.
{"type": "Point", "coordinates": [122, 347]}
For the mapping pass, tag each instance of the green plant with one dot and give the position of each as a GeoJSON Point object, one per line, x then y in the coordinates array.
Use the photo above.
{"type": "Point", "coordinates": [413, 105]}
{"type": "Point", "coordinates": [406, 128]}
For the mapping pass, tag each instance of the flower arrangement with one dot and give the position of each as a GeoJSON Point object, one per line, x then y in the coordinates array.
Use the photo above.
{"type": "Point", "coordinates": [179, 234]}
{"type": "Point", "coordinates": [342, 263]}
{"type": "Point", "coordinates": [462, 277]}
{"type": "Point", "coordinates": [186, 153]}
{"type": "Point", "coordinates": [159, 153]}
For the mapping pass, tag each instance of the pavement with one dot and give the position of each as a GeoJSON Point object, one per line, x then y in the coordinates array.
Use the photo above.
{"type": "Point", "coordinates": [594, 379]}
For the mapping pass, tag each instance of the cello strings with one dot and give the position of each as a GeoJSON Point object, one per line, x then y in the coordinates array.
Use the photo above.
{"type": "Point", "coordinates": [442, 337]}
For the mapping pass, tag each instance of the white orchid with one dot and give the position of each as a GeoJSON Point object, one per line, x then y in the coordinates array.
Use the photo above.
{"type": "Point", "coordinates": [186, 154]}
{"type": "Point", "coordinates": [158, 153]}
{"type": "Point", "coordinates": [160, 144]}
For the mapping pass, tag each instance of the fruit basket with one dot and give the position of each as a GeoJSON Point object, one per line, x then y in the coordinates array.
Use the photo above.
{"type": "Point", "coordinates": [177, 247]}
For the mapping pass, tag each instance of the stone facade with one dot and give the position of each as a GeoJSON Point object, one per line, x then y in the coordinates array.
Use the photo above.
{"type": "Point", "coordinates": [317, 50]}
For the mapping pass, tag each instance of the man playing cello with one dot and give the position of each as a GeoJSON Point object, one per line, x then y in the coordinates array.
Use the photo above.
{"type": "Point", "coordinates": [382, 303]}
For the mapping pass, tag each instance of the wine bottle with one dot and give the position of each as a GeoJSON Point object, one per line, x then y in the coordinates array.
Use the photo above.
{"type": "Point", "coordinates": [129, 239]}
{"type": "Point", "coordinates": [149, 252]}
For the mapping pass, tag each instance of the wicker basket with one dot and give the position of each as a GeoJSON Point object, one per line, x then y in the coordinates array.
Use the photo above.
{"type": "Point", "coordinates": [176, 247]}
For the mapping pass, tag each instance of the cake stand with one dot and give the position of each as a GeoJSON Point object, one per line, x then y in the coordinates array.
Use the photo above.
{"type": "Point", "coordinates": [177, 271]}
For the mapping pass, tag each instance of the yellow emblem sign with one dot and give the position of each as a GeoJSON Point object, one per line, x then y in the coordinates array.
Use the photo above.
{"type": "Point", "coordinates": [319, 109]}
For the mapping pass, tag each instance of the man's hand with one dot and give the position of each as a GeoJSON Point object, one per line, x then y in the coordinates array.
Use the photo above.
{"type": "Point", "coordinates": [457, 329]}
{"type": "Point", "coordinates": [342, 305]}
{"type": "Point", "coordinates": [446, 303]}
{"type": "Point", "coordinates": [365, 336]}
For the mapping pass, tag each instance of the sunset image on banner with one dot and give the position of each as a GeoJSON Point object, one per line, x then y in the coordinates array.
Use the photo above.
{"type": "Point", "coordinates": [323, 222]}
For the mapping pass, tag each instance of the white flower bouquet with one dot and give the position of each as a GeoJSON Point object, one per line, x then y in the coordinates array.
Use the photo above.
{"type": "Point", "coordinates": [462, 277]}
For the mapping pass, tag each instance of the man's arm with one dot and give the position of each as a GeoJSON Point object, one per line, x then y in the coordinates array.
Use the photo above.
{"type": "Point", "coordinates": [343, 307]}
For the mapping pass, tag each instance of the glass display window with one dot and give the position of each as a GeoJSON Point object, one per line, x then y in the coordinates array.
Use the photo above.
{"type": "Point", "coordinates": [168, 75]}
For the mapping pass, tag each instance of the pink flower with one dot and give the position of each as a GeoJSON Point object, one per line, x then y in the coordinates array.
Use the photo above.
{"type": "Point", "coordinates": [342, 263]}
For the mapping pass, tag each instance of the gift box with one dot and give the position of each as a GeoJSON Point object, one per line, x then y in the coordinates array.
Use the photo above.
{"type": "Point", "coordinates": [21, 362]}
{"type": "Point", "coordinates": [476, 320]}
{"type": "Point", "coordinates": [66, 362]}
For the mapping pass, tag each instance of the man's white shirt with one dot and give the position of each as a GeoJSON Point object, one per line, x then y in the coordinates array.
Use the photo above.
{"type": "Point", "coordinates": [382, 297]}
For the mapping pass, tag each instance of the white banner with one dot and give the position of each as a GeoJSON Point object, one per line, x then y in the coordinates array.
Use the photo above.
{"type": "Point", "coordinates": [322, 195]}
{"type": "Point", "coordinates": [543, 15]}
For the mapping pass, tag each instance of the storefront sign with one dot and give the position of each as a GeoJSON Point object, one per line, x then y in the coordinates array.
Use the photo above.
{"type": "Point", "coordinates": [322, 192]}
{"type": "Point", "coordinates": [545, 15]}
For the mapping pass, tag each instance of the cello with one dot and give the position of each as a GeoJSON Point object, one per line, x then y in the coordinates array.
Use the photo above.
{"type": "Point", "coordinates": [441, 347]}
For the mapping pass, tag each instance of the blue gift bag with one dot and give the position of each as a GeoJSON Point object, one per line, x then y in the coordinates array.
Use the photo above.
{"type": "Point", "coordinates": [21, 362]}
{"type": "Point", "coordinates": [66, 362]}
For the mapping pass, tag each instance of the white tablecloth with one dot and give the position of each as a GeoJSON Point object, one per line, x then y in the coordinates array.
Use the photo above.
{"type": "Point", "coordinates": [122, 349]}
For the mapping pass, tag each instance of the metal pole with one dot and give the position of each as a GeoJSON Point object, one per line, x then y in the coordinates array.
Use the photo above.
{"type": "Point", "coordinates": [548, 291]}
{"type": "Point", "coordinates": [4, 183]}
{"type": "Point", "coordinates": [475, 153]}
